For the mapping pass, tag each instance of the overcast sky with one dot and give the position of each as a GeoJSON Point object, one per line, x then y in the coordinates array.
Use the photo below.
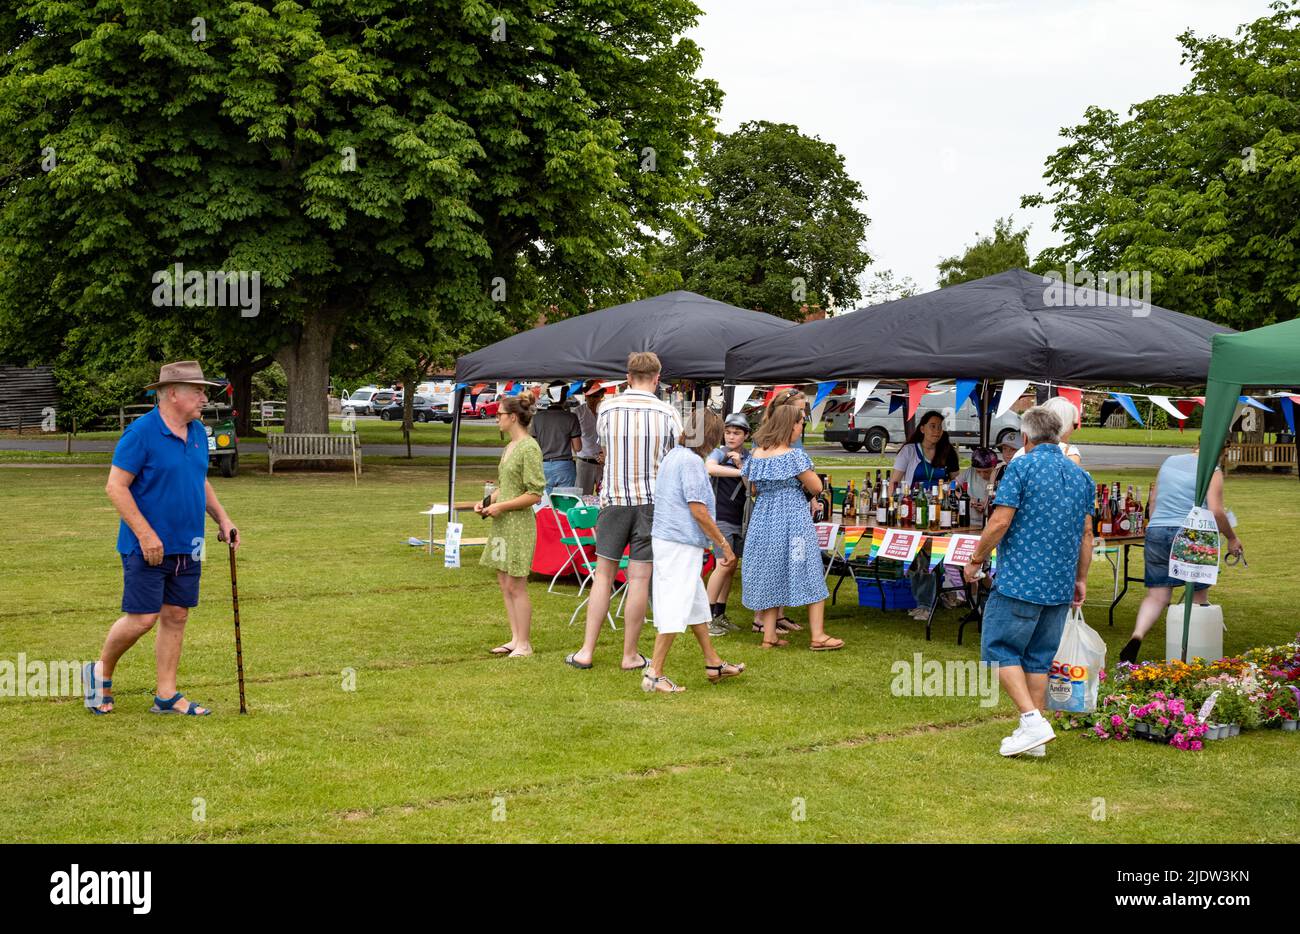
{"type": "Point", "coordinates": [946, 110]}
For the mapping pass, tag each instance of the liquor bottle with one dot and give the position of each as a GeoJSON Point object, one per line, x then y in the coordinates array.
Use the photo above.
{"type": "Point", "coordinates": [963, 507]}
{"type": "Point", "coordinates": [922, 513]}
{"type": "Point", "coordinates": [935, 506]}
{"type": "Point", "coordinates": [871, 497]}
{"type": "Point", "coordinates": [905, 511]}
{"type": "Point", "coordinates": [884, 511]}
{"type": "Point", "coordinates": [891, 510]}
{"type": "Point", "coordinates": [945, 510]}
{"type": "Point", "coordinates": [850, 510]}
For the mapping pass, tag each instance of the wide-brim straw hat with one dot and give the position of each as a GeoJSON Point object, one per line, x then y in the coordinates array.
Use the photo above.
{"type": "Point", "coordinates": [185, 371]}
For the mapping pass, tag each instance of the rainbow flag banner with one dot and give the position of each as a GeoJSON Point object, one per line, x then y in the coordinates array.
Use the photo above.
{"type": "Point", "coordinates": [938, 549]}
{"type": "Point", "coordinates": [852, 535]}
{"type": "Point", "coordinates": [877, 539]}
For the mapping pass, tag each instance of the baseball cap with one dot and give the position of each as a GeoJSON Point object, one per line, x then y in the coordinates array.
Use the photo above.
{"type": "Point", "coordinates": [736, 420]}
{"type": "Point", "coordinates": [1015, 440]}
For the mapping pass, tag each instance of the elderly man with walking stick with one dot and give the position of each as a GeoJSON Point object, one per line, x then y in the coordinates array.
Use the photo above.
{"type": "Point", "coordinates": [158, 484]}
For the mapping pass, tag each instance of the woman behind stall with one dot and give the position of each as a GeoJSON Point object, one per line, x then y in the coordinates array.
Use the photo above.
{"type": "Point", "coordinates": [926, 458]}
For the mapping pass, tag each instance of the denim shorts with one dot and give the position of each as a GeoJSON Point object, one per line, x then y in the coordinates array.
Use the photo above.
{"type": "Point", "coordinates": [731, 532]}
{"type": "Point", "coordinates": [1019, 634]}
{"type": "Point", "coordinates": [146, 587]}
{"type": "Point", "coordinates": [1155, 553]}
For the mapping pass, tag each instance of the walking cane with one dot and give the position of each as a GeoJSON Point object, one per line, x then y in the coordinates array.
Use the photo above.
{"type": "Point", "coordinates": [234, 599]}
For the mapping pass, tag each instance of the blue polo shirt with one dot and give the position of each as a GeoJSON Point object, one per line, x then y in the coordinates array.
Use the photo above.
{"type": "Point", "coordinates": [1039, 555]}
{"type": "Point", "coordinates": [170, 475]}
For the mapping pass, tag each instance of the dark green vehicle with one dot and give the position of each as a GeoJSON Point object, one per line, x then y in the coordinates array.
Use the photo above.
{"type": "Point", "coordinates": [223, 443]}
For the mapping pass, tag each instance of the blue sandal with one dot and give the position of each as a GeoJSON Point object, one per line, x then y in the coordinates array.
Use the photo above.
{"type": "Point", "coordinates": [94, 689]}
{"type": "Point", "coordinates": [169, 706]}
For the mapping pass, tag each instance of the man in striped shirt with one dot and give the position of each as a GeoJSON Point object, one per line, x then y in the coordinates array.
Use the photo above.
{"type": "Point", "coordinates": [636, 430]}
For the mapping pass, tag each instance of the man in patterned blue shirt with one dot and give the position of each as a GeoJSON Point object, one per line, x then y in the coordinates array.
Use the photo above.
{"type": "Point", "coordinates": [1042, 528]}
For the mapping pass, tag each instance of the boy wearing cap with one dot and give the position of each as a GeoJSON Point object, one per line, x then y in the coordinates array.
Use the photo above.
{"type": "Point", "coordinates": [724, 466]}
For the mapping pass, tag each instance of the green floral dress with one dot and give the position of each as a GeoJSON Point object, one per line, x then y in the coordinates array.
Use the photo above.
{"type": "Point", "coordinates": [513, 535]}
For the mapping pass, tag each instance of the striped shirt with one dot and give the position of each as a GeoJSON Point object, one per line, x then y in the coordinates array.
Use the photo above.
{"type": "Point", "coordinates": [636, 430]}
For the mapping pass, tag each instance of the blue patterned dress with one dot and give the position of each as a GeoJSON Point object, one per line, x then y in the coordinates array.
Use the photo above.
{"type": "Point", "coordinates": [783, 563]}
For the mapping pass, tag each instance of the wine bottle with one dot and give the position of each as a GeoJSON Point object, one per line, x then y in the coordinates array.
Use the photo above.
{"type": "Point", "coordinates": [945, 510]}
{"type": "Point", "coordinates": [850, 510]}
{"type": "Point", "coordinates": [905, 510]}
{"type": "Point", "coordinates": [963, 507]}
{"type": "Point", "coordinates": [884, 509]}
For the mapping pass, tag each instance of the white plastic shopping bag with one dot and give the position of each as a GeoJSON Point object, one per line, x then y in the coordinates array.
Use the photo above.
{"type": "Point", "coordinates": [1072, 683]}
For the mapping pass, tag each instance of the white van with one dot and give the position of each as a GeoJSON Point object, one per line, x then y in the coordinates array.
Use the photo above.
{"type": "Point", "coordinates": [873, 427]}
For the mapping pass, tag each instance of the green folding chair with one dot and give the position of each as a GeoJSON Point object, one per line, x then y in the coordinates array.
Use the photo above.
{"type": "Point", "coordinates": [583, 519]}
{"type": "Point", "coordinates": [573, 543]}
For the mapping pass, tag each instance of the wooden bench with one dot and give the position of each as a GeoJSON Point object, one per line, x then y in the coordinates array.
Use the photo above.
{"type": "Point", "coordinates": [282, 447]}
{"type": "Point", "coordinates": [1241, 454]}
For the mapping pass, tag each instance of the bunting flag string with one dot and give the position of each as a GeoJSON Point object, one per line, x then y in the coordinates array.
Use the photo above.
{"type": "Point", "coordinates": [863, 392]}
{"type": "Point", "coordinates": [1126, 401]}
{"type": "Point", "coordinates": [964, 389]}
{"type": "Point", "coordinates": [1288, 411]}
{"type": "Point", "coordinates": [852, 536]}
{"type": "Point", "coordinates": [877, 539]}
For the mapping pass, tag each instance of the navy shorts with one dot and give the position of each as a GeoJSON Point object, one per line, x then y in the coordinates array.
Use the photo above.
{"type": "Point", "coordinates": [146, 587]}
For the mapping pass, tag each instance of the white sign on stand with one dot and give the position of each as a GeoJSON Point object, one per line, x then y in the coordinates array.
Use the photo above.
{"type": "Point", "coordinates": [451, 551]}
{"type": "Point", "coordinates": [1194, 554]}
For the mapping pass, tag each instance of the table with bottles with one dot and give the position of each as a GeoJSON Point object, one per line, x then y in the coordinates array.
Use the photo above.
{"type": "Point", "coordinates": [1120, 521]}
{"type": "Point", "coordinates": [943, 510]}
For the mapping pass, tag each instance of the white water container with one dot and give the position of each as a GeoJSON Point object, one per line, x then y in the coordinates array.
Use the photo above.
{"type": "Point", "coordinates": [1204, 634]}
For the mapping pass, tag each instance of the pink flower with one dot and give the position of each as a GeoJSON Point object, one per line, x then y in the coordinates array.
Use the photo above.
{"type": "Point", "coordinates": [1163, 721]}
{"type": "Point", "coordinates": [1117, 719]}
{"type": "Point", "coordinates": [1197, 744]}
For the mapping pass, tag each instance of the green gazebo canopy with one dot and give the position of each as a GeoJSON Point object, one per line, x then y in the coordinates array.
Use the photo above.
{"type": "Point", "coordinates": [1268, 356]}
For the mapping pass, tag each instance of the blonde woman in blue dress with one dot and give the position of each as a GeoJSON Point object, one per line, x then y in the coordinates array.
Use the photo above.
{"type": "Point", "coordinates": [783, 564]}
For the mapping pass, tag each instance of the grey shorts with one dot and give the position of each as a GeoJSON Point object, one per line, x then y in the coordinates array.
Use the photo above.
{"type": "Point", "coordinates": [620, 526]}
{"type": "Point", "coordinates": [731, 532]}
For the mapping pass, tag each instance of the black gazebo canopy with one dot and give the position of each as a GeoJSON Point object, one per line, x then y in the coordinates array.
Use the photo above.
{"type": "Point", "coordinates": [1014, 325]}
{"type": "Point", "coordinates": [690, 333]}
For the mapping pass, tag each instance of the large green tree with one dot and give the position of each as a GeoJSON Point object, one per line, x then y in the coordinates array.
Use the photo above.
{"type": "Point", "coordinates": [782, 226]}
{"type": "Point", "coordinates": [1201, 188]}
{"type": "Point", "coordinates": [989, 255]}
{"type": "Point", "coordinates": [384, 165]}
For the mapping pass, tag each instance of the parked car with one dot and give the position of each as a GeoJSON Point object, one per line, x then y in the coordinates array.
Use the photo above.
{"type": "Point", "coordinates": [383, 397]}
{"type": "Point", "coordinates": [485, 406]}
{"type": "Point", "coordinates": [874, 427]}
{"type": "Point", "coordinates": [360, 402]}
{"type": "Point", "coordinates": [421, 410]}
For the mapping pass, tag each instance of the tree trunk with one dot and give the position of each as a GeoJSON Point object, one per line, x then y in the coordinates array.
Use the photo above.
{"type": "Point", "coordinates": [410, 378]}
{"type": "Point", "coordinates": [306, 363]}
{"type": "Point", "coordinates": [240, 373]}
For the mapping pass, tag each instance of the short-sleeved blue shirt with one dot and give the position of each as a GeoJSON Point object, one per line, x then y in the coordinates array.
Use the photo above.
{"type": "Point", "coordinates": [1039, 555]}
{"type": "Point", "coordinates": [170, 475]}
{"type": "Point", "coordinates": [682, 480]}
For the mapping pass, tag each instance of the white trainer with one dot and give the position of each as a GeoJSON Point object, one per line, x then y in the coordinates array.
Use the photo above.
{"type": "Point", "coordinates": [1038, 752]}
{"type": "Point", "coordinates": [1027, 736]}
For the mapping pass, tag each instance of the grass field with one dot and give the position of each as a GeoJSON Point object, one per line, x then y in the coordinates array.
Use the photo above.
{"type": "Point", "coordinates": [438, 738]}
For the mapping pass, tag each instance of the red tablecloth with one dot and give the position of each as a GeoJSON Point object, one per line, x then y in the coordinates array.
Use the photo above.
{"type": "Point", "coordinates": [550, 555]}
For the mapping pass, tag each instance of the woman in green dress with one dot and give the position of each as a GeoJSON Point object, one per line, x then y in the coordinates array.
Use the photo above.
{"type": "Point", "coordinates": [514, 533]}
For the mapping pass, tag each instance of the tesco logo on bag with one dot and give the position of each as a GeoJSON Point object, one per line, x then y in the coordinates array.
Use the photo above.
{"type": "Point", "coordinates": [1066, 670]}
